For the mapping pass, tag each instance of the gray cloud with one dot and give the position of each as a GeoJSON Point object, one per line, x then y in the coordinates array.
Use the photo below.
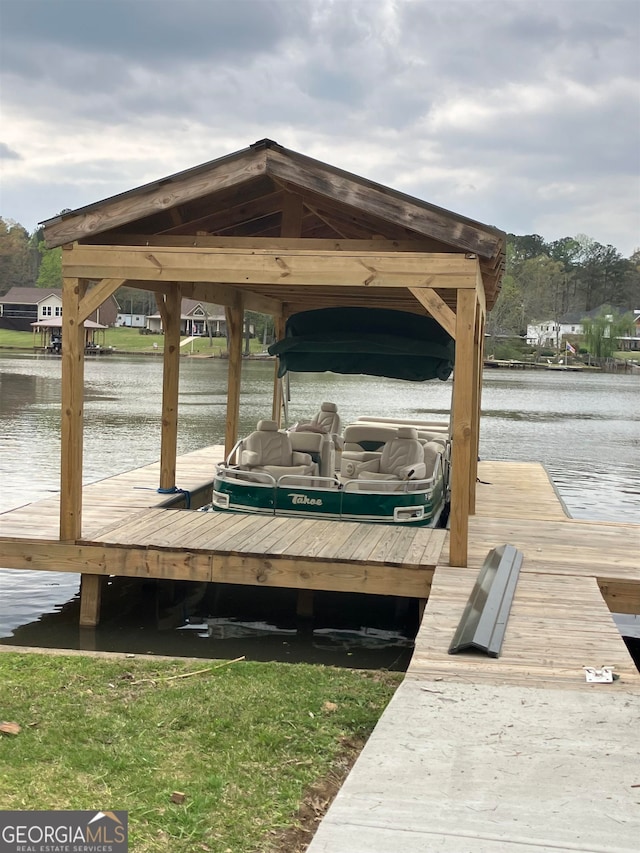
{"type": "Point", "coordinates": [159, 33]}
{"type": "Point", "coordinates": [519, 114]}
{"type": "Point", "coordinates": [7, 153]}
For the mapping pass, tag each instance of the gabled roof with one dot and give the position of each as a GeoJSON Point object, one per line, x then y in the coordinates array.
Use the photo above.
{"type": "Point", "coordinates": [248, 193]}
{"type": "Point", "coordinates": [56, 323]}
{"type": "Point", "coordinates": [29, 295]}
{"type": "Point", "coordinates": [188, 306]}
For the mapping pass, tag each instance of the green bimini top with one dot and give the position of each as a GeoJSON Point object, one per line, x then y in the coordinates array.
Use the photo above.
{"type": "Point", "coordinates": [370, 341]}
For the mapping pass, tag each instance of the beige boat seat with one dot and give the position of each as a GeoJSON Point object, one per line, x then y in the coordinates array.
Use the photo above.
{"type": "Point", "coordinates": [269, 451]}
{"type": "Point", "coordinates": [325, 422]}
{"type": "Point", "coordinates": [319, 446]}
{"type": "Point", "coordinates": [401, 459]}
{"type": "Point", "coordinates": [434, 452]}
{"type": "Point", "coordinates": [363, 444]}
{"type": "Point", "coordinates": [370, 438]}
{"type": "Point", "coordinates": [328, 419]}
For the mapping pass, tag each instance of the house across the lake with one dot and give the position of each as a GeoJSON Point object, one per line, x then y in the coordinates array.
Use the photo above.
{"type": "Point", "coordinates": [196, 319]}
{"type": "Point", "coordinates": [21, 307]}
{"type": "Point", "coordinates": [553, 333]}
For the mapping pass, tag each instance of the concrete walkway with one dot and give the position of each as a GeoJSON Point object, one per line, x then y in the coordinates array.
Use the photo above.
{"type": "Point", "coordinates": [481, 768]}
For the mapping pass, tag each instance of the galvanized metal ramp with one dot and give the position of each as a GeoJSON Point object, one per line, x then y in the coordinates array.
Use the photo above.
{"type": "Point", "coordinates": [484, 620]}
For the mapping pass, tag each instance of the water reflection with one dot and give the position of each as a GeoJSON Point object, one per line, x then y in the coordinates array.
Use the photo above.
{"type": "Point", "coordinates": [584, 428]}
{"type": "Point", "coordinates": [226, 622]}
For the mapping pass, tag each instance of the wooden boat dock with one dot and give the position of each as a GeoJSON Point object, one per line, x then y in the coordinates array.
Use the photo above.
{"type": "Point", "coordinates": [129, 529]}
{"type": "Point", "coordinates": [473, 753]}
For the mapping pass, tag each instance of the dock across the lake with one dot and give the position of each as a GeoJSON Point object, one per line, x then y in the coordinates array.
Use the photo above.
{"type": "Point", "coordinates": [473, 753]}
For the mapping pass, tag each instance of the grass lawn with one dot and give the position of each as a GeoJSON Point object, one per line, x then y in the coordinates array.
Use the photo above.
{"type": "Point", "coordinates": [125, 339]}
{"type": "Point", "coordinates": [243, 741]}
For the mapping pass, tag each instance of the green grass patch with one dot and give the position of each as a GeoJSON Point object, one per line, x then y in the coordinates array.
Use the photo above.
{"type": "Point", "coordinates": [125, 339]}
{"type": "Point", "coordinates": [242, 740]}
{"type": "Point", "coordinates": [20, 340]}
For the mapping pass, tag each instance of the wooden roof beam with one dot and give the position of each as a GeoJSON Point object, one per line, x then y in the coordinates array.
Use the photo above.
{"type": "Point", "coordinates": [255, 243]}
{"type": "Point", "coordinates": [224, 218]}
{"type": "Point", "coordinates": [306, 268]}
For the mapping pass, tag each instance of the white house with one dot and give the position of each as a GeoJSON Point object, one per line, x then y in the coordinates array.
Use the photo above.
{"type": "Point", "coordinates": [552, 333]}
{"type": "Point", "coordinates": [196, 318]}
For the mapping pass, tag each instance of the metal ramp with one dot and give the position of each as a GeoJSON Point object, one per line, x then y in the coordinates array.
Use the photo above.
{"type": "Point", "coordinates": [484, 620]}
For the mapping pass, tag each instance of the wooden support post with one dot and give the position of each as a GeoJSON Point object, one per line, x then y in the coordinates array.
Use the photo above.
{"type": "Point", "coordinates": [290, 226]}
{"type": "Point", "coordinates": [463, 395]}
{"type": "Point", "coordinates": [422, 603]}
{"type": "Point", "coordinates": [234, 315]}
{"type": "Point", "coordinates": [304, 604]}
{"type": "Point", "coordinates": [90, 597]}
{"type": "Point", "coordinates": [72, 395]}
{"type": "Point", "coordinates": [478, 355]}
{"type": "Point", "coordinates": [276, 411]}
{"type": "Point", "coordinates": [170, 386]}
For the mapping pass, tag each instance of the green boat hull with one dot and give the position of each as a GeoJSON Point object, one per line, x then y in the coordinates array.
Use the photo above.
{"type": "Point", "coordinates": [416, 507]}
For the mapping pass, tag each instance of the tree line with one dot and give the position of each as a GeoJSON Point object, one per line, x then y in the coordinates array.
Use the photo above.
{"type": "Point", "coordinates": [544, 280]}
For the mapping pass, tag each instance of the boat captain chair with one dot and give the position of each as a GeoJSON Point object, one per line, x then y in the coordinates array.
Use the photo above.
{"type": "Point", "coordinates": [401, 459]}
{"type": "Point", "coordinates": [326, 423]}
{"type": "Point", "coordinates": [269, 451]}
{"type": "Point", "coordinates": [327, 419]}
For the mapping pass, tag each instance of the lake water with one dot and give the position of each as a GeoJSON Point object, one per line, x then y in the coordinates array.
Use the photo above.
{"type": "Point", "coordinates": [584, 428]}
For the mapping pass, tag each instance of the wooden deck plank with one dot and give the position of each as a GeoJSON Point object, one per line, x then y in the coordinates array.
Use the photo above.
{"type": "Point", "coordinates": [247, 529]}
{"type": "Point", "coordinates": [361, 542]}
{"type": "Point", "coordinates": [254, 540]}
{"type": "Point", "coordinates": [426, 548]}
{"type": "Point", "coordinates": [556, 627]}
{"type": "Point", "coordinates": [316, 541]}
{"type": "Point", "coordinates": [331, 549]}
{"type": "Point", "coordinates": [295, 532]}
{"type": "Point", "coordinates": [271, 535]}
{"type": "Point", "coordinates": [218, 533]}
{"type": "Point", "coordinates": [393, 546]}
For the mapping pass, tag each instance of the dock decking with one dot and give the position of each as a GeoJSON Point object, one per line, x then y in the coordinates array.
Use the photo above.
{"type": "Point", "coordinates": [114, 499]}
{"type": "Point", "coordinates": [473, 754]}
{"type": "Point", "coordinates": [128, 530]}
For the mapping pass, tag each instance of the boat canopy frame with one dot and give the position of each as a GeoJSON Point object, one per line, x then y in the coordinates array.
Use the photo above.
{"type": "Point", "coordinates": [270, 230]}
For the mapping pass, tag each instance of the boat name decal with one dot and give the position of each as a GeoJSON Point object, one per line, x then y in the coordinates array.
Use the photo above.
{"type": "Point", "coordinates": [304, 499]}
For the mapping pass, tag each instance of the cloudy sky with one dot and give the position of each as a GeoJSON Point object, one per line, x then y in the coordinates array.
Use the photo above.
{"type": "Point", "coordinates": [523, 115]}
